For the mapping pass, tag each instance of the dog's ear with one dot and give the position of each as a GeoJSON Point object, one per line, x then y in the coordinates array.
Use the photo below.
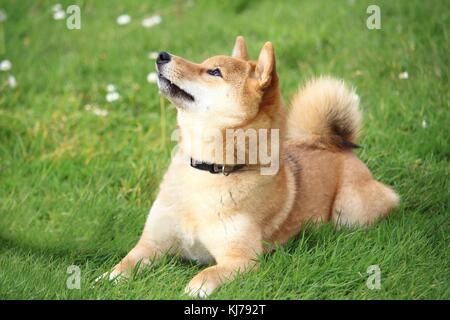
{"type": "Point", "coordinates": [265, 67]}
{"type": "Point", "coordinates": [240, 49]}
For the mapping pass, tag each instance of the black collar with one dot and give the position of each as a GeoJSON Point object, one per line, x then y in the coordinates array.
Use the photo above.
{"type": "Point", "coordinates": [214, 167]}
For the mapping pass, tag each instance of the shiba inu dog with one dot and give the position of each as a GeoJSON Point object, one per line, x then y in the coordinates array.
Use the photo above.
{"type": "Point", "coordinates": [219, 211]}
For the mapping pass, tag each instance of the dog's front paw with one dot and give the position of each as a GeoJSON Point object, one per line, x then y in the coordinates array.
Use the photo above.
{"type": "Point", "coordinates": [200, 286]}
{"type": "Point", "coordinates": [113, 276]}
{"type": "Point", "coordinates": [196, 292]}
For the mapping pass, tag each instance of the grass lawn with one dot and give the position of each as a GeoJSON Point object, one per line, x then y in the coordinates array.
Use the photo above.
{"type": "Point", "coordinates": [75, 187]}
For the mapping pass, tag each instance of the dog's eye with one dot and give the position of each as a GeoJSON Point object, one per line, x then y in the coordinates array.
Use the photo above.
{"type": "Point", "coordinates": [215, 72]}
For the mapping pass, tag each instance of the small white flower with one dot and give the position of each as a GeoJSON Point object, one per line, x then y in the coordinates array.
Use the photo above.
{"type": "Point", "coordinates": [151, 21]}
{"type": "Point", "coordinates": [111, 88]}
{"type": "Point", "coordinates": [403, 75]}
{"type": "Point", "coordinates": [59, 15]}
{"type": "Point", "coordinates": [424, 124]}
{"type": "Point", "coordinates": [95, 110]}
{"type": "Point", "coordinates": [100, 112]}
{"type": "Point", "coordinates": [152, 77]}
{"type": "Point", "coordinates": [5, 65]}
{"type": "Point", "coordinates": [3, 15]}
{"type": "Point", "coordinates": [12, 82]}
{"type": "Point", "coordinates": [153, 55]}
{"type": "Point", "coordinates": [57, 7]}
{"type": "Point", "coordinates": [123, 19]}
{"type": "Point", "coordinates": [112, 96]}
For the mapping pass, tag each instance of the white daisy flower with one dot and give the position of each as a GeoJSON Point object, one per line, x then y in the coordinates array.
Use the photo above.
{"type": "Point", "coordinates": [153, 55]}
{"type": "Point", "coordinates": [59, 15]}
{"type": "Point", "coordinates": [95, 110]}
{"type": "Point", "coordinates": [151, 21]}
{"type": "Point", "coordinates": [12, 82]}
{"type": "Point", "coordinates": [152, 77]}
{"type": "Point", "coordinates": [111, 88]}
{"type": "Point", "coordinates": [123, 19]}
{"type": "Point", "coordinates": [5, 65]}
{"type": "Point", "coordinates": [3, 15]}
{"type": "Point", "coordinates": [403, 75]}
{"type": "Point", "coordinates": [112, 96]}
{"type": "Point", "coordinates": [424, 124]}
{"type": "Point", "coordinates": [100, 112]}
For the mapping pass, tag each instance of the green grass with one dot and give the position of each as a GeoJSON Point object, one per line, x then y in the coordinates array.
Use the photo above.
{"type": "Point", "coordinates": [75, 188]}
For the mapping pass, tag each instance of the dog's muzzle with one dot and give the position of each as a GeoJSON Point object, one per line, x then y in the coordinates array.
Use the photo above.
{"type": "Point", "coordinates": [167, 87]}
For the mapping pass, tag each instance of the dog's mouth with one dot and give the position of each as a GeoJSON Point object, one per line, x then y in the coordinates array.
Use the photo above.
{"type": "Point", "coordinates": [171, 90]}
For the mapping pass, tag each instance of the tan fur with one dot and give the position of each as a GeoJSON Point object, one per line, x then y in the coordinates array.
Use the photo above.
{"type": "Point", "coordinates": [227, 220]}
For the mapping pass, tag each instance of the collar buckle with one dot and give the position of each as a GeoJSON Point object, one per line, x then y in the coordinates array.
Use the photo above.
{"type": "Point", "coordinates": [225, 173]}
{"type": "Point", "coordinates": [215, 168]}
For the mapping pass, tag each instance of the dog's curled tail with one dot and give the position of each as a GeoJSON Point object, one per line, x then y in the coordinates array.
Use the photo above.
{"type": "Point", "coordinates": [325, 114]}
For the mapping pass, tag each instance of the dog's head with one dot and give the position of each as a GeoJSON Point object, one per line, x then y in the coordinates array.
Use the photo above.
{"type": "Point", "coordinates": [225, 91]}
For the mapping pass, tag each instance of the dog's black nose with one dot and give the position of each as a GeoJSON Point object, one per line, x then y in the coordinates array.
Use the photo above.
{"type": "Point", "coordinates": [163, 57]}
